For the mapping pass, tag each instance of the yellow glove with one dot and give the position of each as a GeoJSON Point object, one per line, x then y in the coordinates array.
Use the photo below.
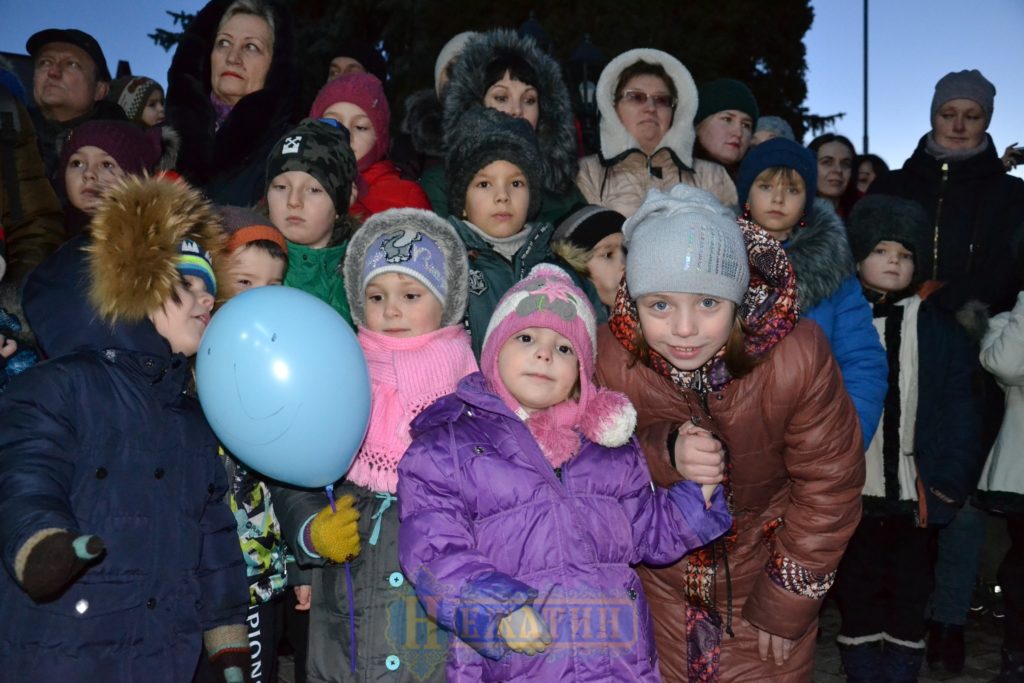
{"type": "Point", "coordinates": [335, 535]}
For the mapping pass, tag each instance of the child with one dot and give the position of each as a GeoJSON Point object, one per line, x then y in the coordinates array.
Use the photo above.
{"type": "Point", "coordinates": [730, 387]}
{"type": "Point", "coordinates": [310, 184]}
{"type": "Point", "coordinates": [120, 557]}
{"type": "Point", "coordinates": [255, 256]}
{"type": "Point", "coordinates": [357, 101]}
{"type": "Point", "coordinates": [590, 240]}
{"type": "Point", "coordinates": [493, 170]}
{"type": "Point", "coordinates": [776, 189]}
{"type": "Point", "coordinates": [98, 153]}
{"type": "Point", "coordinates": [141, 99]}
{"type": "Point", "coordinates": [524, 502]}
{"type": "Point", "coordinates": [921, 464]}
{"type": "Point", "coordinates": [256, 251]}
{"type": "Point", "coordinates": [405, 274]}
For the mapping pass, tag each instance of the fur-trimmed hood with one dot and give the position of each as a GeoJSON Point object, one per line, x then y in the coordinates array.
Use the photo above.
{"type": "Point", "coordinates": [556, 133]}
{"type": "Point", "coordinates": [258, 119]}
{"type": "Point", "coordinates": [422, 123]}
{"type": "Point", "coordinates": [615, 139]}
{"type": "Point", "coordinates": [821, 256]}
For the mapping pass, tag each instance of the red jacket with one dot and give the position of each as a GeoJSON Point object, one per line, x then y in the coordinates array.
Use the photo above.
{"type": "Point", "coordinates": [387, 190]}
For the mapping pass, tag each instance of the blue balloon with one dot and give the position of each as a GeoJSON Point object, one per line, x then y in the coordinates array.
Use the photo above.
{"type": "Point", "coordinates": [283, 383]}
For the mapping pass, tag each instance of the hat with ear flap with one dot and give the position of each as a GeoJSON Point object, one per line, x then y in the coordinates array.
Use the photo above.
{"type": "Point", "coordinates": [547, 298]}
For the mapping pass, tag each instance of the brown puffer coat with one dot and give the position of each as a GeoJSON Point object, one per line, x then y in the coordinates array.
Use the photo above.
{"type": "Point", "coordinates": [797, 454]}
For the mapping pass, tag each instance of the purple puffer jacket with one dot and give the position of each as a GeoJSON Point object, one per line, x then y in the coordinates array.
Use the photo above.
{"type": "Point", "coordinates": [487, 526]}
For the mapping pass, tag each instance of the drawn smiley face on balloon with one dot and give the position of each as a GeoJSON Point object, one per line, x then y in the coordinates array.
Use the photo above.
{"type": "Point", "coordinates": [283, 384]}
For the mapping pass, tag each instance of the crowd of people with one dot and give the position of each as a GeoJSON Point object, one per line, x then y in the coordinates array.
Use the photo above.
{"type": "Point", "coordinates": [635, 414]}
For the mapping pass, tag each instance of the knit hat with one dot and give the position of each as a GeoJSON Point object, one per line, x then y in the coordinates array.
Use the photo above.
{"type": "Point", "coordinates": [366, 54]}
{"type": "Point", "coordinates": [722, 94]}
{"type": "Point", "coordinates": [685, 241]}
{"type": "Point", "coordinates": [146, 233]}
{"type": "Point", "coordinates": [133, 148]}
{"type": "Point", "coordinates": [968, 84]}
{"type": "Point", "coordinates": [245, 226]}
{"type": "Point", "coordinates": [547, 298]}
{"type": "Point", "coordinates": [412, 242]}
{"type": "Point", "coordinates": [366, 92]}
{"type": "Point", "coordinates": [588, 226]}
{"type": "Point", "coordinates": [779, 153]}
{"type": "Point", "coordinates": [451, 50]}
{"type": "Point", "coordinates": [37, 41]}
{"type": "Point", "coordinates": [878, 217]}
{"type": "Point", "coordinates": [777, 125]}
{"type": "Point", "coordinates": [322, 150]}
{"type": "Point", "coordinates": [483, 136]}
{"type": "Point", "coordinates": [131, 94]}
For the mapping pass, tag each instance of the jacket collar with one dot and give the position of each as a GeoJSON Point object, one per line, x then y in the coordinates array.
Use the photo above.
{"type": "Point", "coordinates": [983, 165]}
{"type": "Point", "coordinates": [821, 256]}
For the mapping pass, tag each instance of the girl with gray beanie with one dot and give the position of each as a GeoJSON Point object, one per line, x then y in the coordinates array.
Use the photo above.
{"type": "Point", "coordinates": [730, 387]}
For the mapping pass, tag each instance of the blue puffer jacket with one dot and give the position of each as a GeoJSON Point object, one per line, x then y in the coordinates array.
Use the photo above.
{"type": "Point", "coordinates": [830, 295]}
{"type": "Point", "coordinates": [103, 440]}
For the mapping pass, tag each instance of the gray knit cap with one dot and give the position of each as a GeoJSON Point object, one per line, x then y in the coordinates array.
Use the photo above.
{"type": "Point", "coordinates": [968, 84]}
{"type": "Point", "coordinates": [685, 241]}
{"type": "Point", "coordinates": [878, 217]}
{"type": "Point", "coordinates": [413, 242]}
{"type": "Point", "coordinates": [777, 125]}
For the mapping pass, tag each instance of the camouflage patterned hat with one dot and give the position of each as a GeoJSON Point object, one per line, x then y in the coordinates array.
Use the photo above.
{"type": "Point", "coordinates": [322, 150]}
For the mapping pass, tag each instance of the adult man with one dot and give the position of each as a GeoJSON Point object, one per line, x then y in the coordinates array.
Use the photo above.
{"type": "Point", "coordinates": [70, 81]}
{"type": "Point", "coordinates": [358, 56]}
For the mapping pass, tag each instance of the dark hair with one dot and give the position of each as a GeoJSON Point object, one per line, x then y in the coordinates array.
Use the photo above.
{"type": "Point", "coordinates": [272, 248]}
{"type": "Point", "coordinates": [850, 194]}
{"type": "Point", "coordinates": [878, 164]}
{"type": "Point", "coordinates": [512, 63]}
{"type": "Point", "coordinates": [738, 362]}
{"type": "Point", "coordinates": [642, 68]}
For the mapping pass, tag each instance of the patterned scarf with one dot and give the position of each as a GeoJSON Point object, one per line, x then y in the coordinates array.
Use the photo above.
{"type": "Point", "coordinates": [768, 313]}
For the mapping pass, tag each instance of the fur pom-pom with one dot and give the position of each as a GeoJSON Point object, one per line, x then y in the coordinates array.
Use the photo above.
{"type": "Point", "coordinates": [557, 440]}
{"type": "Point", "coordinates": [973, 316]}
{"type": "Point", "coordinates": [610, 419]}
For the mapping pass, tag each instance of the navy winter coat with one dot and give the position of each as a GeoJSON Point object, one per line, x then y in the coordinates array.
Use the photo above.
{"type": "Point", "coordinates": [102, 439]}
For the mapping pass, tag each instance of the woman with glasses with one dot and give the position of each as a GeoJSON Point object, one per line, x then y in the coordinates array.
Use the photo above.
{"type": "Point", "coordinates": [647, 100]}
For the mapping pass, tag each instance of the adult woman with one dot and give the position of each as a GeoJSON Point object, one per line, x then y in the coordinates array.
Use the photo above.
{"type": "Point", "coordinates": [976, 210]}
{"type": "Point", "coordinates": [835, 171]}
{"type": "Point", "coordinates": [725, 119]}
{"type": "Point", "coordinates": [510, 73]}
{"type": "Point", "coordinates": [232, 90]}
{"type": "Point", "coordinates": [869, 167]}
{"type": "Point", "coordinates": [647, 100]}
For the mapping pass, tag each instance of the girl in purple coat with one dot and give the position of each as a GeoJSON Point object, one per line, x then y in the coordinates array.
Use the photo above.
{"type": "Point", "coordinates": [524, 501]}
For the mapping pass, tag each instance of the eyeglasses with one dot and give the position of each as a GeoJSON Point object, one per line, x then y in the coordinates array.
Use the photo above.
{"type": "Point", "coordinates": [639, 98]}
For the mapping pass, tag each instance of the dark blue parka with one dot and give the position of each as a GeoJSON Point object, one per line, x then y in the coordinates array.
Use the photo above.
{"type": "Point", "coordinates": [103, 439]}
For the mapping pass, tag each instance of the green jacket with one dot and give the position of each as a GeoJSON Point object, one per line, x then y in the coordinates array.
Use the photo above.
{"type": "Point", "coordinates": [491, 274]}
{"type": "Point", "coordinates": [318, 272]}
{"type": "Point", "coordinates": [553, 208]}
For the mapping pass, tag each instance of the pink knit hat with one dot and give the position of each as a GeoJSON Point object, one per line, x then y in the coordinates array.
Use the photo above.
{"type": "Point", "coordinates": [547, 298]}
{"type": "Point", "coordinates": [366, 92]}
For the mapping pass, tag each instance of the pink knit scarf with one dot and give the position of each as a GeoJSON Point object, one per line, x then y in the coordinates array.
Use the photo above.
{"type": "Point", "coordinates": [406, 376]}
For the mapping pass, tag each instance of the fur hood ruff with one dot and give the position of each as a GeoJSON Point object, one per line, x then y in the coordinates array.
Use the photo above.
{"type": "Point", "coordinates": [821, 256]}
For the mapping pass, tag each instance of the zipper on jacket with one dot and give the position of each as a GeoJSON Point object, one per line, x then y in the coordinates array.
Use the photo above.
{"type": "Point", "coordinates": [558, 473]}
{"type": "Point", "coordinates": [938, 215]}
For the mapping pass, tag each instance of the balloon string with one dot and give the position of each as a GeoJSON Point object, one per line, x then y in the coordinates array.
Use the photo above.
{"type": "Point", "coordinates": [330, 497]}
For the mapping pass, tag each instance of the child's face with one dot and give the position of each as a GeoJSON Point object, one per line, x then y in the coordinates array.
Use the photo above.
{"type": "Point", "coordinates": [153, 113]}
{"type": "Point", "coordinates": [254, 267]}
{"type": "Point", "coordinates": [301, 209]}
{"type": "Point", "coordinates": [607, 265]}
{"type": "Point", "coordinates": [182, 323]}
{"type": "Point", "coordinates": [497, 199]}
{"type": "Point", "coordinates": [888, 268]}
{"type": "Point", "coordinates": [400, 306]}
{"type": "Point", "coordinates": [777, 202]}
{"type": "Point", "coordinates": [539, 367]}
{"type": "Point", "coordinates": [361, 133]}
{"type": "Point", "coordinates": [686, 329]}
{"type": "Point", "coordinates": [90, 171]}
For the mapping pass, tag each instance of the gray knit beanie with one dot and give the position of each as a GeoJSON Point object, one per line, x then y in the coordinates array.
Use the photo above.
{"type": "Point", "coordinates": [685, 241]}
{"type": "Point", "coordinates": [777, 125]}
{"type": "Point", "coordinates": [968, 84]}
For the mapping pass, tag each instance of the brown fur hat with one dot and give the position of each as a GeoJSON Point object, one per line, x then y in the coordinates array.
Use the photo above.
{"type": "Point", "coordinates": [133, 254]}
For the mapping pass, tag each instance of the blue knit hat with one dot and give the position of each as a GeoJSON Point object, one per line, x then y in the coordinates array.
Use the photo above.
{"type": "Point", "coordinates": [779, 153]}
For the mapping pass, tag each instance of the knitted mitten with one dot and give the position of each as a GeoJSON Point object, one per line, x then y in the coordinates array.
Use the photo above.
{"type": "Point", "coordinates": [228, 649]}
{"type": "Point", "coordinates": [334, 535]}
{"type": "Point", "coordinates": [52, 559]}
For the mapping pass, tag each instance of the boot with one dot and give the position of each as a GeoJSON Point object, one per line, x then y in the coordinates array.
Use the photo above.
{"type": "Point", "coordinates": [862, 662]}
{"type": "Point", "coordinates": [946, 645]}
{"type": "Point", "coordinates": [900, 663]}
{"type": "Point", "coordinates": [1012, 670]}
